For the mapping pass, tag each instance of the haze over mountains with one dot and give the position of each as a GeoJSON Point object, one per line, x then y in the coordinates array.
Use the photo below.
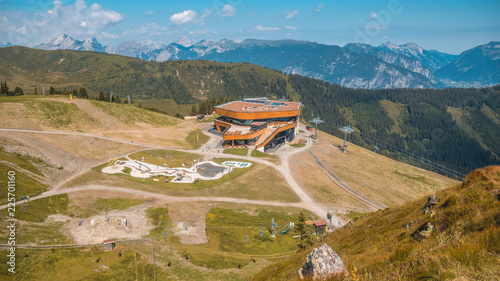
{"type": "Point", "coordinates": [355, 65]}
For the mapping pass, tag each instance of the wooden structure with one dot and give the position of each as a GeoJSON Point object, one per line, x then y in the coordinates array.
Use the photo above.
{"type": "Point", "coordinates": [109, 244]}
{"type": "Point", "coordinates": [258, 121]}
{"type": "Point", "coordinates": [321, 226]}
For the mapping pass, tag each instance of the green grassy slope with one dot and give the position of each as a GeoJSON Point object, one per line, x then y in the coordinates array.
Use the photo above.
{"type": "Point", "coordinates": [465, 243]}
{"type": "Point", "coordinates": [183, 81]}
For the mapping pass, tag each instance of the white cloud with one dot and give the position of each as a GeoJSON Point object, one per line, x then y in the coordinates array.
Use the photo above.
{"type": "Point", "coordinates": [289, 27]}
{"type": "Point", "coordinates": [317, 10]}
{"type": "Point", "coordinates": [229, 11]}
{"type": "Point", "coordinates": [75, 19]}
{"type": "Point", "coordinates": [186, 17]}
{"type": "Point", "coordinates": [149, 12]}
{"type": "Point", "coordinates": [291, 14]}
{"type": "Point", "coordinates": [373, 15]}
{"type": "Point", "coordinates": [265, 29]}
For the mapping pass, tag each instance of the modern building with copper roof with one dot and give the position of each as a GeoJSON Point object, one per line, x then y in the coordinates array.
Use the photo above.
{"type": "Point", "coordinates": [257, 121]}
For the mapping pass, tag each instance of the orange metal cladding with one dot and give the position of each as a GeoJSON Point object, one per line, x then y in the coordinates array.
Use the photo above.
{"type": "Point", "coordinates": [219, 123]}
{"type": "Point", "coordinates": [257, 115]}
{"type": "Point", "coordinates": [281, 129]}
{"type": "Point", "coordinates": [244, 137]}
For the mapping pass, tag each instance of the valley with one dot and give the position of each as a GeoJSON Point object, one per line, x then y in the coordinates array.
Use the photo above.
{"type": "Point", "coordinates": [206, 230]}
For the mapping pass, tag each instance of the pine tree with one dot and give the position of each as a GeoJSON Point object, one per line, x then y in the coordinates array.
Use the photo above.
{"type": "Point", "coordinates": [36, 92]}
{"type": "Point", "coordinates": [102, 96]}
{"type": "Point", "coordinates": [304, 230]}
{"type": "Point", "coordinates": [4, 89]}
{"type": "Point", "coordinates": [83, 93]}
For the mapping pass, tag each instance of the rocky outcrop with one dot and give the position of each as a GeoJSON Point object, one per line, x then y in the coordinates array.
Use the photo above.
{"type": "Point", "coordinates": [322, 263]}
{"type": "Point", "coordinates": [423, 232]}
{"type": "Point", "coordinates": [430, 202]}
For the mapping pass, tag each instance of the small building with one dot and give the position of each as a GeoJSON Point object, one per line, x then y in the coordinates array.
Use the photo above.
{"type": "Point", "coordinates": [321, 226]}
{"type": "Point", "coordinates": [109, 244]}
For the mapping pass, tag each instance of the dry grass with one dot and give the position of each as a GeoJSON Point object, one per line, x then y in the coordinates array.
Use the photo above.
{"type": "Point", "coordinates": [464, 244]}
{"type": "Point", "coordinates": [379, 178]}
{"type": "Point", "coordinates": [120, 121]}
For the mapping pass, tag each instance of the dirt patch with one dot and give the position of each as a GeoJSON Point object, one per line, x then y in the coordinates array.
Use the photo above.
{"type": "Point", "coordinates": [57, 218]}
{"type": "Point", "coordinates": [188, 221]}
{"type": "Point", "coordinates": [126, 224]}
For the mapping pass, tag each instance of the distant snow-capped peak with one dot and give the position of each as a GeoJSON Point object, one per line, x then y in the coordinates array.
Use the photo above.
{"type": "Point", "coordinates": [184, 42]}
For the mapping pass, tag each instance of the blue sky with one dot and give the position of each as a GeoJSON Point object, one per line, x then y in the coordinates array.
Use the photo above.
{"type": "Point", "coordinates": [448, 26]}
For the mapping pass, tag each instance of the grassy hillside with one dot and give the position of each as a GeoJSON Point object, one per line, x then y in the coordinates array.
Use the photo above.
{"type": "Point", "coordinates": [465, 242]}
{"type": "Point", "coordinates": [121, 121]}
{"type": "Point", "coordinates": [377, 177]}
{"type": "Point", "coordinates": [183, 81]}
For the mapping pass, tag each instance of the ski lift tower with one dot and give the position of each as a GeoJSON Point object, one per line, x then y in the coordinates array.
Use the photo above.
{"type": "Point", "coordinates": [329, 216]}
{"type": "Point", "coordinates": [273, 225]}
{"type": "Point", "coordinates": [316, 121]}
{"type": "Point", "coordinates": [346, 129]}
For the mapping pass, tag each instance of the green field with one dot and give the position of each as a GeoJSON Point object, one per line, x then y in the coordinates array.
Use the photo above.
{"type": "Point", "coordinates": [236, 151]}
{"type": "Point", "coordinates": [24, 161]}
{"type": "Point", "coordinates": [24, 185]}
{"type": "Point", "coordinates": [103, 204]}
{"type": "Point", "coordinates": [227, 230]}
{"type": "Point", "coordinates": [196, 139]}
{"type": "Point", "coordinates": [269, 157]}
{"type": "Point", "coordinates": [78, 264]}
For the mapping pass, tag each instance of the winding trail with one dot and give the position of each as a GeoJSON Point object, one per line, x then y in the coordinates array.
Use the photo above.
{"type": "Point", "coordinates": [209, 150]}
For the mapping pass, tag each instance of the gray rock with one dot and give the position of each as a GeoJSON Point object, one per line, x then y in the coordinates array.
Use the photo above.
{"type": "Point", "coordinates": [431, 201]}
{"type": "Point", "coordinates": [321, 263]}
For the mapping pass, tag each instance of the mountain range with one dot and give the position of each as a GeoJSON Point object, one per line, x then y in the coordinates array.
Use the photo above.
{"type": "Point", "coordinates": [355, 65]}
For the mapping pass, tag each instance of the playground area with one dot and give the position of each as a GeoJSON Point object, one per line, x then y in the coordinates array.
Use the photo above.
{"type": "Point", "coordinates": [206, 170]}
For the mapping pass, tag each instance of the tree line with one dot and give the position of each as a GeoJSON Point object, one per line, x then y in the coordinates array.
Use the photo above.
{"type": "Point", "coordinates": [18, 91]}
{"type": "Point", "coordinates": [423, 122]}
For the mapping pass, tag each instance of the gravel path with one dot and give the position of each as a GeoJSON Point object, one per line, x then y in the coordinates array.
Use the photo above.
{"type": "Point", "coordinates": [210, 150]}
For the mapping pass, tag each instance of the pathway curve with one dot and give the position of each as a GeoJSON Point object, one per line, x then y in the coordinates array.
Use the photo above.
{"type": "Point", "coordinates": [210, 150]}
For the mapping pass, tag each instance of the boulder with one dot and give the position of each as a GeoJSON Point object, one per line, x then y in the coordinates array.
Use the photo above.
{"type": "Point", "coordinates": [431, 201]}
{"type": "Point", "coordinates": [423, 232]}
{"type": "Point", "coordinates": [322, 263]}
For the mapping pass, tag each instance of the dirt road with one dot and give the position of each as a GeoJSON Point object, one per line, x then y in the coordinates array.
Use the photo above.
{"type": "Point", "coordinates": [210, 150]}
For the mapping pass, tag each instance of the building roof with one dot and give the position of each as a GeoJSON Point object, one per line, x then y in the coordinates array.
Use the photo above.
{"type": "Point", "coordinates": [259, 105]}
{"type": "Point", "coordinates": [320, 223]}
{"type": "Point", "coordinates": [108, 241]}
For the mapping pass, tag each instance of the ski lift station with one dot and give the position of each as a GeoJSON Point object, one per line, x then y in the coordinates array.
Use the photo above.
{"type": "Point", "coordinates": [259, 122]}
